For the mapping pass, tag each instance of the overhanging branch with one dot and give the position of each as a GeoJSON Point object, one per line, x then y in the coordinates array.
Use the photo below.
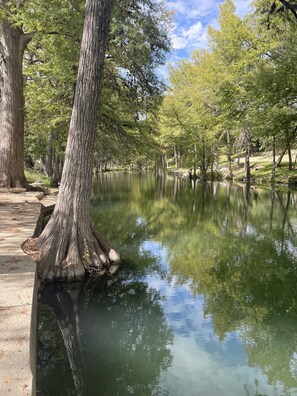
{"type": "Point", "coordinates": [291, 6]}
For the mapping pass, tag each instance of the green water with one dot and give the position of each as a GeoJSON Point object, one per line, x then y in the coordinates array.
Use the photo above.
{"type": "Point", "coordinates": [206, 303]}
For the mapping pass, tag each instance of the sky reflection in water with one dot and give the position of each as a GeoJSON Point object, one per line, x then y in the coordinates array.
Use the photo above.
{"type": "Point", "coordinates": [202, 364]}
{"type": "Point", "coordinates": [207, 303]}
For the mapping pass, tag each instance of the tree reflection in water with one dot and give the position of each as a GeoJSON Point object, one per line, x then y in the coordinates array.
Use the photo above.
{"type": "Point", "coordinates": [247, 273]}
{"type": "Point", "coordinates": [234, 245]}
{"type": "Point", "coordinates": [109, 338]}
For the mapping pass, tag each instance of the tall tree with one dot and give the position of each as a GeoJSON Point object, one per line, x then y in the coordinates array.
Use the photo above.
{"type": "Point", "coordinates": [70, 245]}
{"type": "Point", "coordinates": [13, 43]}
{"type": "Point", "coordinates": [137, 44]}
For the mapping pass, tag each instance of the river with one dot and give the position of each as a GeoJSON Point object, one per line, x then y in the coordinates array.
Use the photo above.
{"type": "Point", "coordinates": [205, 304]}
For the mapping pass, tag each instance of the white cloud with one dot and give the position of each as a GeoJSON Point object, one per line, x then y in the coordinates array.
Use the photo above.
{"type": "Point", "coordinates": [177, 6]}
{"type": "Point", "coordinates": [192, 18]}
{"type": "Point", "coordinates": [190, 22]}
{"type": "Point", "coordinates": [189, 38]}
{"type": "Point", "coordinates": [178, 42]}
{"type": "Point", "coordinates": [190, 25]}
{"type": "Point", "coordinates": [193, 31]}
{"type": "Point", "coordinates": [192, 9]}
{"type": "Point", "coordinates": [242, 7]}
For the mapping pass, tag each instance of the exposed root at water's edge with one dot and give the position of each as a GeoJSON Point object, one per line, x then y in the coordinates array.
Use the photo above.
{"type": "Point", "coordinates": [77, 262]}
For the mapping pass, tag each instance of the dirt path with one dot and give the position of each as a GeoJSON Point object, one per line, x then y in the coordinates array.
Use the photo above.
{"type": "Point", "coordinates": [18, 217]}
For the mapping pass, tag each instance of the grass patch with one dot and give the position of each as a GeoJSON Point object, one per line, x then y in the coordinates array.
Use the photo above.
{"type": "Point", "coordinates": [33, 176]}
{"type": "Point", "coordinates": [261, 169]}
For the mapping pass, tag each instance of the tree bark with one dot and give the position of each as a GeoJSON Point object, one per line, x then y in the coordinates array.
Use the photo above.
{"type": "Point", "coordinates": [12, 47]}
{"type": "Point", "coordinates": [203, 163]}
{"type": "Point", "coordinates": [273, 159]}
{"type": "Point", "coordinates": [279, 161]}
{"type": "Point", "coordinates": [70, 245]}
{"type": "Point", "coordinates": [194, 160]}
{"type": "Point", "coordinates": [290, 157]}
{"type": "Point", "coordinates": [229, 155]}
{"type": "Point", "coordinates": [175, 156]}
{"type": "Point", "coordinates": [53, 168]}
{"type": "Point", "coordinates": [247, 154]}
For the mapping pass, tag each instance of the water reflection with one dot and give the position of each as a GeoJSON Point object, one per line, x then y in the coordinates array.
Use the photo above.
{"type": "Point", "coordinates": [235, 245]}
{"type": "Point", "coordinates": [210, 292]}
{"type": "Point", "coordinates": [112, 339]}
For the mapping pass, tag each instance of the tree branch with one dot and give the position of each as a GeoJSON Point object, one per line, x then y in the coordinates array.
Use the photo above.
{"type": "Point", "coordinates": [27, 37]}
{"type": "Point", "coordinates": [290, 6]}
{"type": "Point", "coordinates": [286, 5]}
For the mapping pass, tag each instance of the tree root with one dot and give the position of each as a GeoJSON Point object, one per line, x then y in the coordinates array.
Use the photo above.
{"type": "Point", "coordinates": [69, 253]}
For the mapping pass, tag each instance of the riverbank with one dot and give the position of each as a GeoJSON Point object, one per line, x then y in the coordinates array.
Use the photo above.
{"type": "Point", "coordinates": [19, 212]}
{"type": "Point", "coordinates": [260, 175]}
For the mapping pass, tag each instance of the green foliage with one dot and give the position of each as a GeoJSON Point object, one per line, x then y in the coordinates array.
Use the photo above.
{"type": "Point", "coordinates": [138, 43]}
{"type": "Point", "coordinates": [245, 81]}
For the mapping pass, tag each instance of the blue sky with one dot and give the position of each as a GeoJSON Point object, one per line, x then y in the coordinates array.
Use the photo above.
{"type": "Point", "coordinates": [191, 19]}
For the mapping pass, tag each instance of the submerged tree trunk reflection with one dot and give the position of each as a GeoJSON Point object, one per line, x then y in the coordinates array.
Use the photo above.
{"type": "Point", "coordinates": [285, 208]}
{"type": "Point", "coordinates": [246, 201]}
{"type": "Point", "coordinates": [227, 207]}
{"type": "Point", "coordinates": [273, 196]}
{"type": "Point", "coordinates": [63, 301]}
{"type": "Point", "coordinates": [160, 191]}
{"type": "Point", "coordinates": [115, 336]}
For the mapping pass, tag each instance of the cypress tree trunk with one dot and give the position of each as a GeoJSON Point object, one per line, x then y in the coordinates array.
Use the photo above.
{"type": "Point", "coordinates": [247, 154]}
{"type": "Point", "coordinates": [229, 155]}
{"type": "Point", "coordinates": [290, 157]}
{"type": "Point", "coordinates": [273, 159]}
{"type": "Point", "coordinates": [52, 164]}
{"type": "Point", "coordinates": [280, 158]}
{"type": "Point", "coordinates": [203, 163]}
{"type": "Point", "coordinates": [175, 156]}
{"type": "Point", "coordinates": [179, 159]}
{"type": "Point", "coordinates": [12, 46]}
{"type": "Point", "coordinates": [194, 160]}
{"type": "Point", "coordinates": [70, 245]}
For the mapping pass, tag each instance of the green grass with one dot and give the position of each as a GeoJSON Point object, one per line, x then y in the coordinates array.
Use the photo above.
{"type": "Point", "coordinates": [261, 168]}
{"type": "Point", "coordinates": [33, 176]}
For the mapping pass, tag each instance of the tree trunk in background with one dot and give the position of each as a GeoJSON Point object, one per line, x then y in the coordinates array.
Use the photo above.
{"type": "Point", "coordinates": [279, 161]}
{"type": "Point", "coordinates": [194, 160]}
{"type": "Point", "coordinates": [229, 155]}
{"type": "Point", "coordinates": [273, 159]}
{"type": "Point", "coordinates": [53, 164]}
{"type": "Point", "coordinates": [203, 163]}
{"type": "Point", "coordinates": [247, 154]}
{"type": "Point", "coordinates": [290, 158]}
{"type": "Point", "coordinates": [57, 171]}
{"type": "Point", "coordinates": [214, 162]}
{"type": "Point", "coordinates": [175, 156]}
{"type": "Point", "coordinates": [164, 161]}
{"type": "Point", "coordinates": [12, 47]}
{"type": "Point", "coordinates": [70, 245]}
